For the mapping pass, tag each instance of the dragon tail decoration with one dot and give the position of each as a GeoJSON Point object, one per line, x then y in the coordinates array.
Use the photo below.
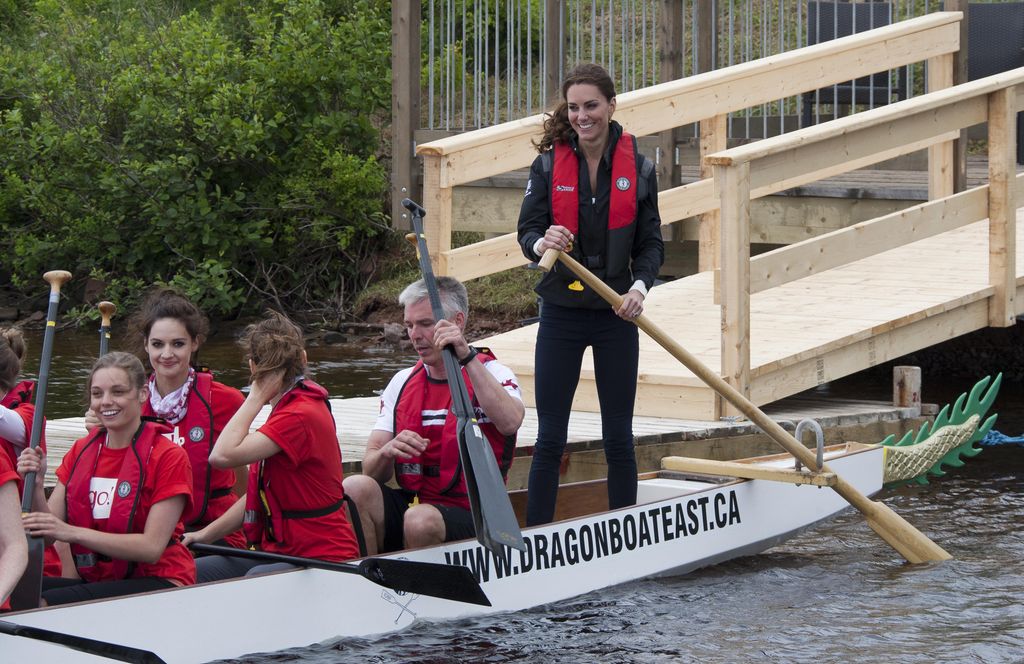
{"type": "Point", "coordinates": [945, 442]}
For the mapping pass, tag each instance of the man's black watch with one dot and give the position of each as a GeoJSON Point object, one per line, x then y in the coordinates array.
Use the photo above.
{"type": "Point", "coordinates": [473, 352]}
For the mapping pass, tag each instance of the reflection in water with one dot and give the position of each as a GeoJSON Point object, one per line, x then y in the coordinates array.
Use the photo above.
{"type": "Point", "coordinates": [346, 371]}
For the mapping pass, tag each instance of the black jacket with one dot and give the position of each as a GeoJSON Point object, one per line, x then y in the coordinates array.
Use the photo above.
{"type": "Point", "coordinates": [618, 257]}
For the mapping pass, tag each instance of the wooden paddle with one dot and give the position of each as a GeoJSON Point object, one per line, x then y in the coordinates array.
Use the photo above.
{"type": "Point", "coordinates": [26, 594]}
{"type": "Point", "coordinates": [92, 646]}
{"type": "Point", "coordinates": [107, 310]}
{"type": "Point", "coordinates": [894, 529]}
{"type": "Point", "coordinates": [453, 582]}
{"type": "Point", "coordinates": [495, 521]}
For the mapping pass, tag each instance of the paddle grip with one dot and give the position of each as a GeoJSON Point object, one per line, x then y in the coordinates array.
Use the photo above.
{"type": "Point", "coordinates": [56, 279]}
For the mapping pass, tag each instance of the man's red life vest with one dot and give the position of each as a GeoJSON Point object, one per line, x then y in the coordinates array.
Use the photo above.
{"type": "Point", "coordinates": [445, 479]}
{"type": "Point", "coordinates": [124, 503]}
{"type": "Point", "coordinates": [194, 432]}
{"type": "Point", "coordinates": [264, 515]}
{"type": "Point", "coordinates": [21, 396]}
{"type": "Point", "coordinates": [565, 175]}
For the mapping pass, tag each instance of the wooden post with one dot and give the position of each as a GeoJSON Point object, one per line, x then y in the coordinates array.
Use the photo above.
{"type": "Point", "coordinates": [959, 148]}
{"type": "Point", "coordinates": [554, 53]}
{"type": "Point", "coordinates": [713, 135]}
{"type": "Point", "coordinates": [734, 187]}
{"type": "Point", "coordinates": [713, 138]}
{"type": "Point", "coordinates": [437, 224]}
{"type": "Point", "coordinates": [1002, 207]}
{"type": "Point", "coordinates": [405, 106]}
{"type": "Point", "coordinates": [941, 166]}
{"type": "Point", "coordinates": [906, 387]}
{"type": "Point", "coordinates": [670, 68]}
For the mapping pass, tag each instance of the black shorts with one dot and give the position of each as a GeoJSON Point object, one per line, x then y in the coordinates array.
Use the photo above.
{"type": "Point", "coordinates": [458, 522]}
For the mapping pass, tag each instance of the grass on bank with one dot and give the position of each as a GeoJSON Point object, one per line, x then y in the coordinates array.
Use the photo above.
{"type": "Point", "coordinates": [505, 297]}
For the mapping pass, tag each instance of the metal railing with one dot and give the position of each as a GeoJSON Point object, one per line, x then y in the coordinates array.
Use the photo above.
{"type": "Point", "coordinates": [484, 61]}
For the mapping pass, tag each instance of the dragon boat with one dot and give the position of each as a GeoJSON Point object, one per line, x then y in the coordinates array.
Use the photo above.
{"type": "Point", "coordinates": [693, 513]}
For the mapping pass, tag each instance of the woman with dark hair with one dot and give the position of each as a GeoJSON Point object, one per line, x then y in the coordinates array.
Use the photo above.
{"type": "Point", "coordinates": [294, 498]}
{"type": "Point", "coordinates": [590, 193]}
{"type": "Point", "coordinates": [120, 495]}
{"type": "Point", "coordinates": [170, 329]}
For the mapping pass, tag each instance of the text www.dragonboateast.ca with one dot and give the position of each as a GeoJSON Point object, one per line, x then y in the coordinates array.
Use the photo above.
{"type": "Point", "coordinates": [588, 541]}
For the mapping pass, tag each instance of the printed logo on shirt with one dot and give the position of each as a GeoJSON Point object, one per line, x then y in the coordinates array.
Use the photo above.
{"type": "Point", "coordinates": [196, 434]}
{"type": "Point", "coordinates": [564, 187]}
{"type": "Point", "coordinates": [123, 489]}
{"type": "Point", "coordinates": [175, 437]}
{"type": "Point", "coordinates": [101, 494]}
{"type": "Point", "coordinates": [622, 184]}
{"type": "Point", "coordinates": [529, 188]}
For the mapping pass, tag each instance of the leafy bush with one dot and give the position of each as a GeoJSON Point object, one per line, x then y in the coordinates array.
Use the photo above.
{"type": "Point", "coordinates": [229, 148]}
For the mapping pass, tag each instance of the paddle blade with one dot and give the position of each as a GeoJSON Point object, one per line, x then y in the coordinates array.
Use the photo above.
{"type": "Point", "coordinates": [91, 646]}
{"type": "Point", "coordinates": [452, 582]}
{"type": "Point", "coordinates": [28, 589]}
{"type": "Point", "coordinates": [493, 516]}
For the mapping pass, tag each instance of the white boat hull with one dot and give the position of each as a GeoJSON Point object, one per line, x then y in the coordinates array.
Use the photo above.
{"type": "Point", "coordinates": [668, 534]}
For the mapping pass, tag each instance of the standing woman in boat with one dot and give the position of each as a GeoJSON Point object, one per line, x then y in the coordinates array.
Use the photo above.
{"type": "Point", "coordinates": [120, 495]}
{"type": "Point", "coordinates": [593, 194]}
{"type": "Point", "coordinates": [294, 498]}
{"type": "Point", "coordinates": [171, 329]}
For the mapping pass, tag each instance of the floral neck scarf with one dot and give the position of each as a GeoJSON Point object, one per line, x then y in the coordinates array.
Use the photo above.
{"type": "Point", "coordinates": [173, 406]}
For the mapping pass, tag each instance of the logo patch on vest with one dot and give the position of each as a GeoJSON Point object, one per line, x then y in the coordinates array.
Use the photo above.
{"type": "Point", "coordinates": [623, 184]}
{"type": "Point", "coordinates": [123, 489]}
{"type": "Point", "coordinates": [195, 434]}
{"type": "Point", "coordinates": [567, 187]}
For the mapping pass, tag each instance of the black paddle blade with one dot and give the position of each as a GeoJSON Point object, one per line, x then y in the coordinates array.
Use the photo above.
{"type": "Point", "coordinates": [452, 582]}
{"type": "Point", "coordinates": [493, 516]}
{"type": "Point", "coordinates": [91, 646]}
{"type": "Point", "coordinates": [28, 589]}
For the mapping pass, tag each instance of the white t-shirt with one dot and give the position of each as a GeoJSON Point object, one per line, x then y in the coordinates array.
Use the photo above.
{"type": "Point", "coordinates": [12, 427]}
{"type": "Point", "coordinates": [389, 397]}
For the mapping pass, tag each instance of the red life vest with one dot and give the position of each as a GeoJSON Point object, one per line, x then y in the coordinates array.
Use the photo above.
{"type": "Point", "coordinates": [445, 479]}
{"type": "Point", "coordinates": [264, 515]}
{"type": "Point", "coordinates": [124, 502]}
{"type": "Point", "coordinates": [565, 175]}
{"type": "Point", "coordinates": [194, 432]}
{"type": "Point", "coordinates": [21, 396]}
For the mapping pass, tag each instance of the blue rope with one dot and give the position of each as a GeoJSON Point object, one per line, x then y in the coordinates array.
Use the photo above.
{"type": "Point", "coordinates": [994, 437]}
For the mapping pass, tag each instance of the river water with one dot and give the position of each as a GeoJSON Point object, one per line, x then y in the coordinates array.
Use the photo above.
{"type": "Point", "coordinates": [835, 594]}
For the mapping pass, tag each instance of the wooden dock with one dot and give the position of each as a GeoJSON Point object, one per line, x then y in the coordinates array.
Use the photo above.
{"type": "Point", "coordinates": [806, 332]}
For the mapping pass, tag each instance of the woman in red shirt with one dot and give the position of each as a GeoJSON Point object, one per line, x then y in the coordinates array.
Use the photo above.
{"type": "Point", "coordinates": [13, 548]}
{"type": "Point", "coordinates": [295, 461]}
{"type": "Point", "coordinates": [171, 329]}
{"type": "Point", "coordinates": [17, 408]}
{"type": "Point", "coordinates": [120, 495]}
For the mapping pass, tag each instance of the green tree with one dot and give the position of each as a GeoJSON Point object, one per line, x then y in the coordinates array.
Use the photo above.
{"type": "Point", "coordinates": [231, 148]}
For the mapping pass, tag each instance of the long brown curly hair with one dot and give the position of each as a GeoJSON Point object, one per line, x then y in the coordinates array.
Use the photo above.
{"type": "Point", "coordinates": [556, 124]}
{"type": "Point", "coordinates": [274, 344]}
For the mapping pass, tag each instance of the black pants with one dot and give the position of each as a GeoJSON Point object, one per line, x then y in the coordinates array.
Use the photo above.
{"type": "Point", "coordinates": [62, 590]}
{"type": "Point", "coordinates": [563, 336]}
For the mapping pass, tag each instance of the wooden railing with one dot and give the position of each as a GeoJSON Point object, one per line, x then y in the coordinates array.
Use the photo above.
{"type": "Point", "coordinates": [705, 98]}
{"type": "Point", "coordinates": [746, 172]}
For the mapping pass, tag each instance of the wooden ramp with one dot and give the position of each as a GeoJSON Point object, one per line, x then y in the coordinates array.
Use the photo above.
{"type": "Point", "coordinates": [806, 332]}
